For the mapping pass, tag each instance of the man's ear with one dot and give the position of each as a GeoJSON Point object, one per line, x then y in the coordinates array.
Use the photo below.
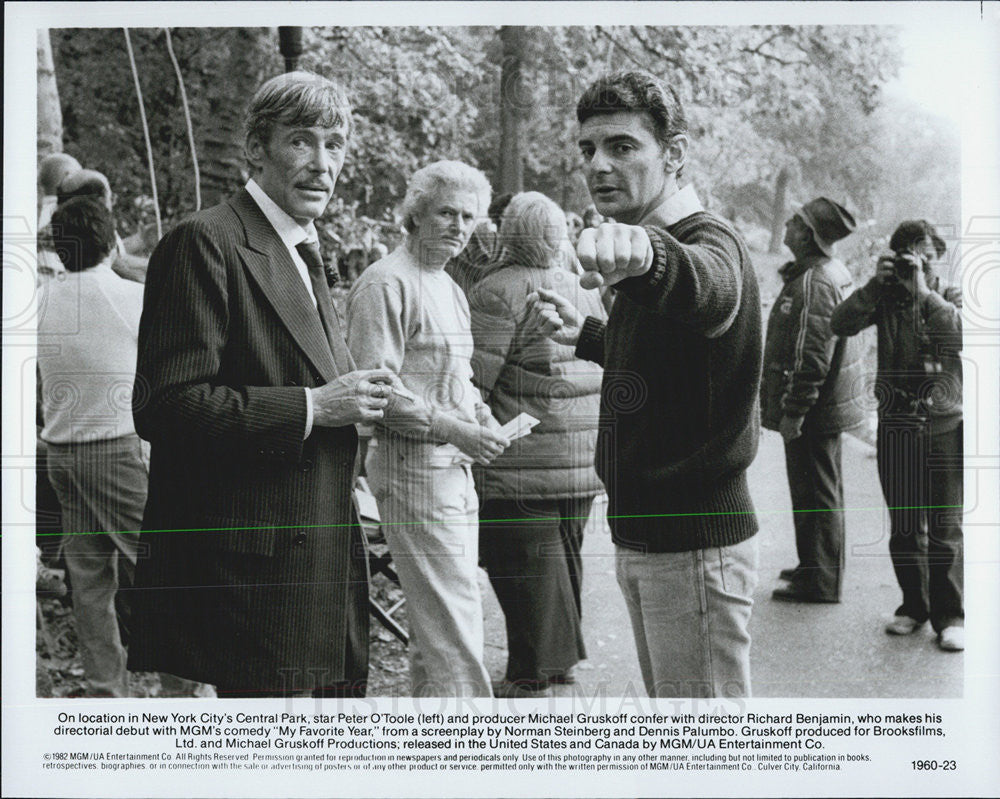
{"type": "Point", "coordinates": [255, 151]}
{"type": "Point", "coordinates": [675, 153]}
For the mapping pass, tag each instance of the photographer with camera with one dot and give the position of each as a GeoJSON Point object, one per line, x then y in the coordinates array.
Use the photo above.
{"type": "Point", "coordinates": [919, 390]}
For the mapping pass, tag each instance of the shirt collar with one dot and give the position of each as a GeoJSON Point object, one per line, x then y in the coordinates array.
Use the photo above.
{"type": "Point", "coordinates": [793, 269]}
{"type": "Point", "coordinates": [288, 230]}
{"type": "Point", "coordinates": [679, 205]}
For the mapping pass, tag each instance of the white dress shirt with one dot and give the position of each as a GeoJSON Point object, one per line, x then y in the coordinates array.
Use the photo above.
{"type": "Point", "coordinates": [291, 234]}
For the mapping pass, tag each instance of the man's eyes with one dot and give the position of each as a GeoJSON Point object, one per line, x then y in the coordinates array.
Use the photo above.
{"type": "Point", "coordinates": [619, 148]}
{"type": "Point", "coordinates": [304, 141]}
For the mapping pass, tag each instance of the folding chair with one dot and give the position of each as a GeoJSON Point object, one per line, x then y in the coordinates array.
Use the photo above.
{"type": "Point", "coordinates": [379, 557]}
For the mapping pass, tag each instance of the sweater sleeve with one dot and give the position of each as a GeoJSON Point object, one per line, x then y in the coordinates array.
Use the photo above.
{"type": "Point", "coordinates": [590, 345]}
{"type": "Point", "coordinates": [943, 322]}
{"type": "Point", "coordinates": [376, 337]}
{"type": "Point", "coordinates": [814, 345]}
{"type": "Point", "coordinates": [698, 282]}
{"type": "Point", "coordinates": [493, 329]}
{"type": "Point", "coordinates": [856, 312]}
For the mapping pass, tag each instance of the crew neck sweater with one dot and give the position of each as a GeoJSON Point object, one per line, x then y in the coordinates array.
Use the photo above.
{"type": "Point", "coordinates": [679, 417]}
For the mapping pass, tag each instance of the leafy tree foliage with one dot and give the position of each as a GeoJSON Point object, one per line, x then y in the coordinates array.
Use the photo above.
{"type": "Point", "coordinates": [802, 102]}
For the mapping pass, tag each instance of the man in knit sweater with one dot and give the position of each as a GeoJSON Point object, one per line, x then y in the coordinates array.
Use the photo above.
{"type": "Point", "coordinates": [682, 354]}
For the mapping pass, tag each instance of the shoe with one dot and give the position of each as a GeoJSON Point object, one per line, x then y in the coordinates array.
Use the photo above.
{"type": "Point", "coordinates": [903, 625]}
{"type": "Point", "coordinates": [788, 574]}
{"type": "Point", "coordinates": [566, 678]}
{"type": "Point", "coordinates": [952, 639]}
{"type": "Point", "coordinates": [795, 594]}
{"type": "Point", "coordinates": [49, 582]}
{"type": "Point", "coordinates": [512, 690]}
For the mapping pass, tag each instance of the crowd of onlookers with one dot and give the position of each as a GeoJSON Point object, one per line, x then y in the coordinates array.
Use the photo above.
{"type": "Point", "coordinates": [504, 365]}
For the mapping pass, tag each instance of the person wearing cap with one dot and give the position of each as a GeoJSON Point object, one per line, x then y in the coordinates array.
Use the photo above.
{"type": "Point", "coordinates": [919, 443]}
{"type": "Point", "coordinates": [810, 394]}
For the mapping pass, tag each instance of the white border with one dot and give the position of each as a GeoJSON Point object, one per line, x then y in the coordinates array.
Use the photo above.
{"type": "Point", "coordinates": [971, 28]}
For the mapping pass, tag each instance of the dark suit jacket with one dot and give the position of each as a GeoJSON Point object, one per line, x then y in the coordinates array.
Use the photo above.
{"type": "Point", "coordinates": [252, 574]}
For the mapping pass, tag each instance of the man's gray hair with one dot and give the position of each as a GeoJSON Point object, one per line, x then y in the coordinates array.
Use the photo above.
{"type": "Point", "coordinates": [533, 231]}
{"type": "Point", "coordinates": [297, 99]}
{"type": "Point", "coordinates": [432, 179]}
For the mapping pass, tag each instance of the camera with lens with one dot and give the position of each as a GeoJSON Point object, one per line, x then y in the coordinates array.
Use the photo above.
{"type": "Point", "coordinates": [903, 269]}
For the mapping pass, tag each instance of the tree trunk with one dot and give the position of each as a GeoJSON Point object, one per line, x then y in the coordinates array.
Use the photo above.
{"type": "Point", "coordinates": [49, 133]}
{"type": "Point", "coordinates": [249, 51]}
{"type": "Point", "coordinates": [513, 99]}
{"type": "Point", "coordinates": [779, 209]}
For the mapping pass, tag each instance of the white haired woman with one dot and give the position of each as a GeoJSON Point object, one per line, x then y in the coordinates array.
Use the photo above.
{"type": "Point", "coordinates": [537, 495]}
{"type": "Point", "coordinates": [406, 314]}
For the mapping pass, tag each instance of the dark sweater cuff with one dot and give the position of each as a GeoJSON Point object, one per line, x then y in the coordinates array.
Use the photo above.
{"type": "Point", "coordinates": [590, 345]}
{"type": "Point", "coordinates": [639, 287]}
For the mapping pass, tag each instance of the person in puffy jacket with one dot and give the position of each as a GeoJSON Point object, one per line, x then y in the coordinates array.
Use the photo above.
{"type": "Point", "coordinates": [810, 393]}
{"type": "Point", "coordinates": [919, 442]}
{"type": "Point", "coordinates": [537, 495]}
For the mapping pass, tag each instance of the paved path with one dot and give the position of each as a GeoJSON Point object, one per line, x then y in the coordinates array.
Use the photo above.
{"type": "Point", "coordinates": [798, 650]}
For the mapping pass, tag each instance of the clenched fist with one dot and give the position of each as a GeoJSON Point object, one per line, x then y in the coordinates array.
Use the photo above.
{"type": "Point", "coordinates": [612, 252]}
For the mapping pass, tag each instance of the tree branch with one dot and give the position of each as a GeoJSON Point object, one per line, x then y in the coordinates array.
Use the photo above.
{"type": "Point", "coordinates": [768, 56]}
{"type": "Point", "coordinates": [649, 48]}
{"type": "Point", "coordinates": [625, 50]}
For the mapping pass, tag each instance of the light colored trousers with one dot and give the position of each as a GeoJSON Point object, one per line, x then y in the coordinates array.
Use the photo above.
{"type": "Point", "coordinates": [101, 487]}
{"type": "Point", "coordinates": [690, 612]}
{"type": "Point", "coordinates": [430, 517]}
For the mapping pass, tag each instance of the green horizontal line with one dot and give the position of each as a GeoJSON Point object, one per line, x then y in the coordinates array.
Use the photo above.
{"type": "Point", "coordinates": [508, 521]}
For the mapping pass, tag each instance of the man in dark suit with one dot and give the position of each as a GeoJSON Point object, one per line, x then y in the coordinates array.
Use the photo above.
{"type": "Point", "coordinates": [253, 576]}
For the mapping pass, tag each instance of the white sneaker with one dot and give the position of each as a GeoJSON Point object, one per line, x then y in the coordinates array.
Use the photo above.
{"type": "Point", "coordinates": [952, 639]}
{"type": "Point", "coordinates": [903, 625]}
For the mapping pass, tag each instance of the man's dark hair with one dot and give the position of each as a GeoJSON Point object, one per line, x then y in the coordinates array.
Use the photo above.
{"type": "Point", "coordinates": [639, 92]}
{"type": "Point", "coordinates": [84, 183]}
{"type": "Point", "coordinates": [497, 207]}
{"type": "Point", "coordinates": [83, 233]}
{"type": "Point", "coordinates": [911, 233]}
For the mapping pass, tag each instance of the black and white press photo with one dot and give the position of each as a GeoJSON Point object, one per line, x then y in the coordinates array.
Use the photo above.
{"type": "Point", "coordinates": [516, 388]}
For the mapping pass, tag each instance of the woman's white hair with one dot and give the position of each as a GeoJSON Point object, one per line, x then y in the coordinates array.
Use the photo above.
{"type": "Point", "coordinates": [533, 230]}
{"type": "Point", "coordinates": [427, 182]}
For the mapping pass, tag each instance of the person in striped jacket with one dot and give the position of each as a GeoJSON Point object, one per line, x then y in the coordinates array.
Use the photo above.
{"type": "Point", "coordinates": [810, 393]}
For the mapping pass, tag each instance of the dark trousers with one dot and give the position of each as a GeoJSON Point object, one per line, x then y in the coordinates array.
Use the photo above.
{"type": "Point", "coordinates": [814, 479]}
{"type": "Point", "coordinates": [536, 572]}
{"type": "Point", "coordinates": [921, 476]}
{"type": "Point", "coordinates": [355, 682]}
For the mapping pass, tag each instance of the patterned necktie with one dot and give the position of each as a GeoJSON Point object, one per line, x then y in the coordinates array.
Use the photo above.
{"type": "Point", "coordinates": [309, 252]}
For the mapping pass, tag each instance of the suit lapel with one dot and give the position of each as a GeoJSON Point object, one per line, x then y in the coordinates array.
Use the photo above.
{"type": "Point", "coordinates": [267, 260]}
